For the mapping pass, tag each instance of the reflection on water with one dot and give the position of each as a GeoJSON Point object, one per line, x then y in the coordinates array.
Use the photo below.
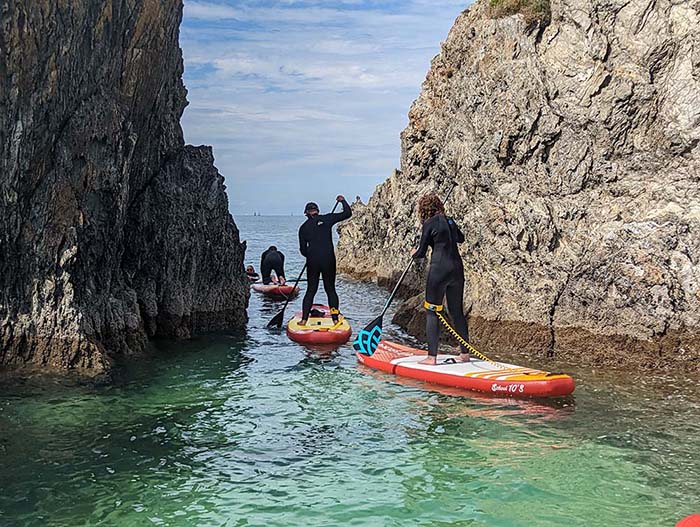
{"type": "Point", "coordinates": [255, 430]}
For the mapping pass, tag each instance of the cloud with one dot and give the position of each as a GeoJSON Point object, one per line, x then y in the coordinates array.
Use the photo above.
{"type": "Point", "coordinates": [305, 95]}
{"type": "Point", "coordinates": [207, 11]}
{"type": "Point", "coordinates": [258, 114]}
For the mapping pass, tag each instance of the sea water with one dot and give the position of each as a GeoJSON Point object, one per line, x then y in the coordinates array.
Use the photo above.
{"type": "Point", "coordinates": [251, 429]}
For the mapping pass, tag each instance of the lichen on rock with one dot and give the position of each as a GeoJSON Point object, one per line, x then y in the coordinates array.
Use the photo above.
{"type": "Point", "coordinates": [113, 231]}
{"type": "Point", "coordinates": [574, 147]}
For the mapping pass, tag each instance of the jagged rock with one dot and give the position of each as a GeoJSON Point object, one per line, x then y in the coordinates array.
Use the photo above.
{"type": "Point", "coordinates": [574, 147]}
{"type": "Point", "coordinates": [112, 229]}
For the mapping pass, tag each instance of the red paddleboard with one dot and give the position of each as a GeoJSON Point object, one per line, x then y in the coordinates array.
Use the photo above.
{"type": "Point", "coordinates": [319, 329]}
{"type": "Point", "coordinates": [690, 521]}
{"type": "Point", "coordinates": [276, 291]}
{"type": "Point", "coordinates": [477, 375]}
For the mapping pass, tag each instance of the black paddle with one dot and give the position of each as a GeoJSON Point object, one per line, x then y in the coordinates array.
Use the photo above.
{"type": "Point", "coordinates": [368, 338]}
{"type": "Point", "coordinates": [278, 319]}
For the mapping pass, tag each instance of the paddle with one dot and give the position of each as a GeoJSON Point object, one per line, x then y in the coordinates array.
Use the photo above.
{"type": "Point", "coordinates": [368, 338]}
{"type": "Point", "coordinates": [278, 319]}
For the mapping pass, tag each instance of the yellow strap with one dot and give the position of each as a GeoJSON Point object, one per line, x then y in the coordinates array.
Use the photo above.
{"type": "Point", "coordinates": [464, 342]}
{"type": "Point", "coordinates": [432, 307]}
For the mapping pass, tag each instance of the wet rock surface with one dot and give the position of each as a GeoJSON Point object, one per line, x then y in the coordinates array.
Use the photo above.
{"type": "Point", "coordinates": [113, 230]}
{"type": "Point", "coordinates": [574, 150]}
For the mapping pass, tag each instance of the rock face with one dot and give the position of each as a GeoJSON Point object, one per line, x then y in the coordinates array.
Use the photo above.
{"type": "Point", "coordinates": [574, 148]}
{"type": "Point", "coordinates": [112, 231]}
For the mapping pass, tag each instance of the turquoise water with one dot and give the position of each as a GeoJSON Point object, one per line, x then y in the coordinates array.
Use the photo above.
{"type": "Point", "coordinates": [251, 430]}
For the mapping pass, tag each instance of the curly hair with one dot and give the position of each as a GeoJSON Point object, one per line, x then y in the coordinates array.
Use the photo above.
{"type": "Point", "coordinates": [429, 205]}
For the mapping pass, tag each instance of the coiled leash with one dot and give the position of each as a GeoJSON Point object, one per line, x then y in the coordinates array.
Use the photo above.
{"type": "Point", "coordinates": [437, 309]}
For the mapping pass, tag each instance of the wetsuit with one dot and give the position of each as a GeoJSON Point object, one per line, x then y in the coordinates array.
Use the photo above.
{"type": "Point", "coordinates": [271, 261]}
{"type": "Point", "coordinates": [316, 244]}
{"type": "Point", "coordinates": [445, 276]}
{"type": "Point", "coordinates": [253, 277]}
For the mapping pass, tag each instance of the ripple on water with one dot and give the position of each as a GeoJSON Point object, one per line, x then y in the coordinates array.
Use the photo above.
{"type": "Point", "coordinates": [254, 430]}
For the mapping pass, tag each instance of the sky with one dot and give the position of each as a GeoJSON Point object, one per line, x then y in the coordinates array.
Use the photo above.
{"type": "Point", "coordinates": [305, 99]}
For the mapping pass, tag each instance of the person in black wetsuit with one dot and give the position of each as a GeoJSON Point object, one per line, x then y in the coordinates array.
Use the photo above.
{"type": "Point", "coordinates": [272, 260]}
{"type": "Point", "coordinates": [316, 244]}
{"type": "Point", "coordinates": [445, 275]}
{"type": "Point", "coordinates": [251, 274]}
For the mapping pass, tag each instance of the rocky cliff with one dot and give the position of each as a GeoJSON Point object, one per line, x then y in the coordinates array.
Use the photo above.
{"type": "Point", "coordinates": [112, 231]}
{"type": "Point", "coordinates": [574, 147]}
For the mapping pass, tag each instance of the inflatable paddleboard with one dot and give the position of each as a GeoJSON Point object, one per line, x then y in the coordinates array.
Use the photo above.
{"type": "Point", "coordinates": [319, 329]}
{"type": "Point", "coordinates": [691, 521]}
{"type": "Point", "coordinates": [476, 375]}
{"type": "Point", "coordinates": [276, 291]}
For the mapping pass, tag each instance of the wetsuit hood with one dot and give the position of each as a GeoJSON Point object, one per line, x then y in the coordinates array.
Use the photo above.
{"type": "Point", "coordinates": [310, 206]}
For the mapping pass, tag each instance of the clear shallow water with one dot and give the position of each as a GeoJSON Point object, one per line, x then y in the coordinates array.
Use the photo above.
{"type": "Point", "coordinates": [252, 430]}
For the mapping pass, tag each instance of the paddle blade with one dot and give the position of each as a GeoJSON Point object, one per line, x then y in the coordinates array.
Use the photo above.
{"type": "Point", "coordinates": [277, 320]}
{"type": "Point", "coordinates": [368, 339]}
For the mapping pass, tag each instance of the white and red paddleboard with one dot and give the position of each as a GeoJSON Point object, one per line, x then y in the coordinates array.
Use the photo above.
{"type": "Point", "coordinates": [276, 291]}
{"type": "Point", "coordinates": [477, 375]}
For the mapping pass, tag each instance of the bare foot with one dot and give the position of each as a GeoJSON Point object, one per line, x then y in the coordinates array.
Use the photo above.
{"type": "Point", "coordinates": [464, 357]}
{"type": "Point", "coordinates": [430, 361]}
{"type": "Point", "coordinates": [302, 322]}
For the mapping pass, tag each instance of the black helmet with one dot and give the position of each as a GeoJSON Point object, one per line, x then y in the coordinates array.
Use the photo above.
{"type": "Point", "coordinates": [310, 206]}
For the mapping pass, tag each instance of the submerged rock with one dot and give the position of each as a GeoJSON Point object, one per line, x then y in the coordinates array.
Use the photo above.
{"type": "Point", "coordinates": [112, 229]}
{"type": "Point", "coordinates": [574, 148]}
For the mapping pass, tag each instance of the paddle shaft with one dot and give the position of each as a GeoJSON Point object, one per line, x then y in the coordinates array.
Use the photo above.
{"type": "Point", "coordinates": [408, 267]}
{"type": "Point", "coordinates": [280, 315]}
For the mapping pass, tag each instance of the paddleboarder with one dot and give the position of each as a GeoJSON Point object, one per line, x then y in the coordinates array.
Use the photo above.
{"type": "Point", "coordinates": [251, 274]}
{"type": "Point", "coordinates": [316, 245]}
{"type": "Point", "coordinates": [445, 274]}
{"type": "Point", "coordinates": [272, 260]}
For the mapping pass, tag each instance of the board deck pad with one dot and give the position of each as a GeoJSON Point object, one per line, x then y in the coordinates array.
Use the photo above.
{"type": "Point", "coordinates": [476, 375]}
